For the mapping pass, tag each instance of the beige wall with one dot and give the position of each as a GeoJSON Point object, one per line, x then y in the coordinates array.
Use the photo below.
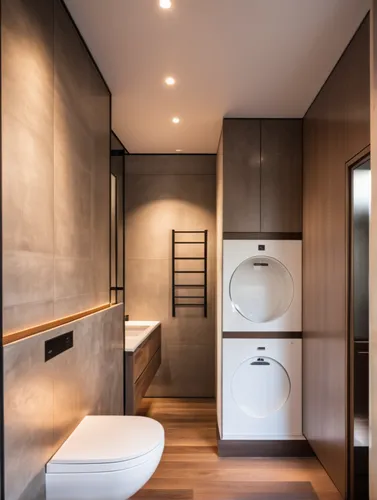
{"type": "Point", "coordinates": [165, 193]}
{"type": "Point", "coordinates": [44, 402]}
{"type": "Point", "coordinates": [55, 162]}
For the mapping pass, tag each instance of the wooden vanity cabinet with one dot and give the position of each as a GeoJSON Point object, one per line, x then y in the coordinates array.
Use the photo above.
{"type": "Point", "coordinates": [141, 367]}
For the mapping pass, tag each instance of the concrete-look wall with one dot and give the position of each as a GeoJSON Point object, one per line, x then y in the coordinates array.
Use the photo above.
{"type": "Point", "coordinates": [55, 162]}
{"type": "Point", "coordinates": [165, 192]}
{"type": "Point", "coordinates": [55, 192]}
{"type": "Point", "coordinates": [45, 401]}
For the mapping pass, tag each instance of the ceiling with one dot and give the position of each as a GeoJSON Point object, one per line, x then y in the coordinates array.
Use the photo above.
{"type": "Point", "coordinates": [235, 58]}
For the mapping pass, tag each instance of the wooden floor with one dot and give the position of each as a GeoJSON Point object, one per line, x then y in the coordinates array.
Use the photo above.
{"type": "Point", "coordinates": [191, 470]}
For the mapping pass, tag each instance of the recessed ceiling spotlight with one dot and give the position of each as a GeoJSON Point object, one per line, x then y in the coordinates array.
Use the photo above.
{"type": "Point", "coordinates": [170, 81]}
{"type": "Point", "coordinates": [165, 4]}
{"type": "Point", "coordinates": [176, 120]}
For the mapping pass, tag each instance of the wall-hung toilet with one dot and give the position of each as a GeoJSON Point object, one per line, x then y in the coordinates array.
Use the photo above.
{"type": "Point", "coordinates": [262, 286]}
{"type": "Point", "coordinates": [105, 458]}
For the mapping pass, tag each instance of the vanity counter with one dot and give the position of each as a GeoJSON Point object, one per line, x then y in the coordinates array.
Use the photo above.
{"type": "Point", "coordinates": [137, 332]}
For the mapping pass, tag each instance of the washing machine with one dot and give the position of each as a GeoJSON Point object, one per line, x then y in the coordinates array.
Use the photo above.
{"type": "Point", "coordinates": [262, 389]}
{"type": "Point", "coordinates": [262, 286]}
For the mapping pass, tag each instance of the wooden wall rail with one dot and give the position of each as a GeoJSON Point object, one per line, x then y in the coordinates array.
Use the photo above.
{"type": "Point", "coordinates": [28, 332]}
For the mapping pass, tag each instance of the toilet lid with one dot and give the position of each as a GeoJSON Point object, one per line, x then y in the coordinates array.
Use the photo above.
{"type": "Point", "coordinates": [107, 440]}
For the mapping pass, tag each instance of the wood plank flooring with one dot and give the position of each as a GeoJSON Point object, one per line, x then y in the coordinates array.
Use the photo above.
{"type": "Point", "coordinates": [191, 470]}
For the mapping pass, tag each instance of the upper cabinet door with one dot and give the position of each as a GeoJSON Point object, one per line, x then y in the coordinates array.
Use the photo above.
{"type": "Point", "coordinates": [241, 175]}
{"type": "Point", "coordinates": [281, 176]}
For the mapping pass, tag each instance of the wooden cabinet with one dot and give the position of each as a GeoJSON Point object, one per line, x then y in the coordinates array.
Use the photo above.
{"type": "Point", "coordinates": [241, 175]}
{"type": "Point", "coordinates": [281, 176]}
{"type": "Point", "coordinates": [141, 367]}
{"type": "Point", "coordinates": [262, 176]}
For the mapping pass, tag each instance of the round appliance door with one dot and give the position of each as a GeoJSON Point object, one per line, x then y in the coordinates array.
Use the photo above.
{"type": "Point", "coordinates": [261, 289]}
{"type": "Point", "coordinates": [261, 387]}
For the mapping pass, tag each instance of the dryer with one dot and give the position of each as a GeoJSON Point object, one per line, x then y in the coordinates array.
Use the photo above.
{"type": "Point", "coordinates": [262, 286]}
{"type": "Point", "coordinates": [262, 389]}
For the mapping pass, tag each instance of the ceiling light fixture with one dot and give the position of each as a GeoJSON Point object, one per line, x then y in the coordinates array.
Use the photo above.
{"type": "Point", "coordinates": [176, 120]}
{"type": "Point", "coordinates": [178, 150]}
{"type": "Point", "coordinates": [170, 81]}
{"type": "Point", "coordinates": [165, 4]}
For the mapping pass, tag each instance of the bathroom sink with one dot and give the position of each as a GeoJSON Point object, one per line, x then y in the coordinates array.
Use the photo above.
{"type": "Point", "coordinates": [138, 331]}
{"type": "Point", "coordinates": [135, 331]}
{"type": "Point", "coordinates": [135, 328]}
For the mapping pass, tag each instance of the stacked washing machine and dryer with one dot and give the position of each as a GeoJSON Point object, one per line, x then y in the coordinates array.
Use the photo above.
{"type": "Point", "coordinates": [262, 355]}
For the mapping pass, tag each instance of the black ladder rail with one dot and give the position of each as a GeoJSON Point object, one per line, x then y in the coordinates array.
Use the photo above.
{"type": "Point", "coordinates": [173, 272]}
{"type": "Point", "coordinates": [205, 271]}
{"type": "Point", "coordinates": [176, 298]}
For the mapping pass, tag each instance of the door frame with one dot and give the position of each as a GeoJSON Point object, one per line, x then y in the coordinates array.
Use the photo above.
{"type": "Point", "coordinates": [362, 157]}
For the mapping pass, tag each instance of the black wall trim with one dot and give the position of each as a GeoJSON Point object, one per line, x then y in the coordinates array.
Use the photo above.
{"type": "Point", "coordinates": [118, 152]}
{"type": "Point", "coordinates": [109, 173]}
{"type": "Point", "coordinates": [262, 335]}
{"type": "Point", "coordinates": [260, 118]}
{"type": "Point", "coordinates": [262, 236]}
{"type": "Point", "coordinates": [265, 448]}
{"type": "Point", "coordinates": [121, 142]}
{"type": "Point", "coordinates": [172, 154]}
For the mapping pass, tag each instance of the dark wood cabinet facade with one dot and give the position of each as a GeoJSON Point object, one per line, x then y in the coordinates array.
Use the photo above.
{"type": "Point", "coordinates": [281, 176]}
{"type": "Point", "coordinates": [262, 176]}
{"type": "Point", "coordinates": [336, 130]}
{"type": "Point", "coordinates": [242, 175]}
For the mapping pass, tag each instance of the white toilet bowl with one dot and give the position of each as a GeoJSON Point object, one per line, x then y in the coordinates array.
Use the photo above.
{"type": "Point", "coordinates": [105, 458]}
